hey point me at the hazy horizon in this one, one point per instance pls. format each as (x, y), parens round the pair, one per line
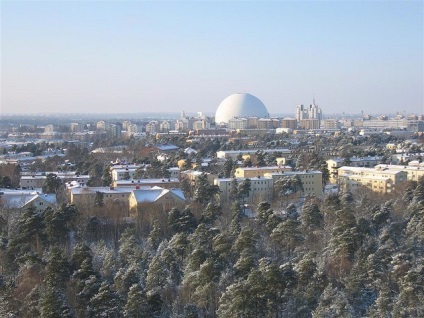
(135, 56)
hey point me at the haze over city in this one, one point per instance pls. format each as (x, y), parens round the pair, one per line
(137, 56)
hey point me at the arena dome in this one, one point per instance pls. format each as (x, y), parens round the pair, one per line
(240, 105)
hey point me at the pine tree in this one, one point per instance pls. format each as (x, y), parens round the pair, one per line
(333, 304)
(106, 177)
(53, 304)
(104, 303)
(57, 271)
(129, 248)
(52, 183)
(228, 168)
(136, 306)
(235, 301)
(287, 236)
(155, 236)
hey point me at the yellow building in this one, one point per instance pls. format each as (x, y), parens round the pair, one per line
(84, 197)
(164, 199)
(334, 164)
(151, 205)
(251, 172)
(377, 180)
(193, 176)
(260, 189)
(311, 180)
(413, 172)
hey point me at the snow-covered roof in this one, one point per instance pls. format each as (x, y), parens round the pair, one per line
(106, 190)
(190, 150)
(167, 147)
(20, 198)
(144, 195)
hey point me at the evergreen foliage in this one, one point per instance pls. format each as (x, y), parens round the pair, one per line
(346, 255)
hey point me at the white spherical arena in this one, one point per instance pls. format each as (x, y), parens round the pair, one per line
(240, 105)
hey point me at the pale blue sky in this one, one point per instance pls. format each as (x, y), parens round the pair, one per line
(137, 56)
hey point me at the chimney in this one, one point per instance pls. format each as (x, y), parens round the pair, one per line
(111, 188)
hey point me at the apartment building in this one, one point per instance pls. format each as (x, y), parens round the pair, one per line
(166, 183)
(21, 199)
(377, 180)
(251, 172)
(334, 164)
(143, 199)
(234, 153)
(414, 172)
(36, 181)
(260, 189)
(86, 196)
(120, 172)
(311, 180)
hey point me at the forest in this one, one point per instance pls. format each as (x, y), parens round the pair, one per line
(346, 255)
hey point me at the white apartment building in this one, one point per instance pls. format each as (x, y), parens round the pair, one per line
(121, 172)
(225, 154)
(36, 181)
(19, 199)
(153, 127)
(237, 123)
(165, 126)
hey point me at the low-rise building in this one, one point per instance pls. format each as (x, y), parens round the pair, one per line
(166, 183)
(21, 199)
(414, 172)
(144, 198)
(311, 180)
(193, 175)
(260, 189)
(84, 197)
(377, 180)
(334, 164)
(234, 153)
(123, 172)
(251, 172)
(36, 181)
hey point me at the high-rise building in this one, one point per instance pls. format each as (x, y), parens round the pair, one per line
(301, 113)
(165, 126)
(49, 129)
(101, 125)
(314, 111)
(76, 127)
(152, 127)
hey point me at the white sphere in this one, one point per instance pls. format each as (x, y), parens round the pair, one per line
(240, 105)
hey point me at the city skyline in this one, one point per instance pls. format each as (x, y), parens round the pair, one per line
(132, 57)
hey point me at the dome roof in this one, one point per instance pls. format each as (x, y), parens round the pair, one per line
(240, 105)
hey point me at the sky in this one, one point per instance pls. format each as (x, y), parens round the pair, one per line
(151, 56)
